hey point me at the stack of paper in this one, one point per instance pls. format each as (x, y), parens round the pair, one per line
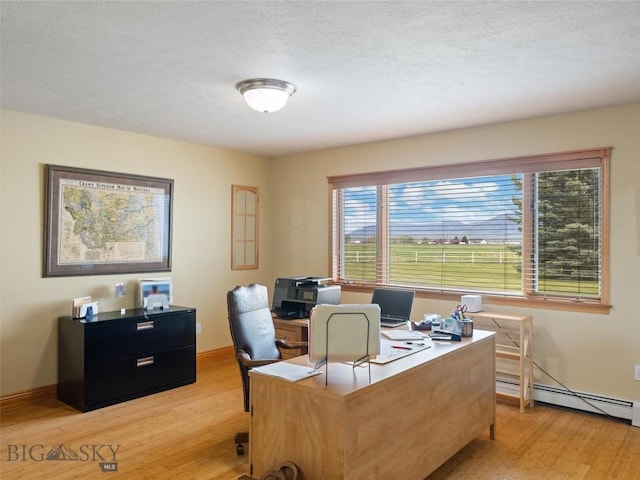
(403, 334)
(79, 307)
(287, 371)
(392, 350)
(344, 332)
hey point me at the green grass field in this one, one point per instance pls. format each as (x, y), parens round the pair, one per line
(483, 267)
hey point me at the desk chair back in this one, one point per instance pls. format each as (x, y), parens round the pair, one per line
(252, 329)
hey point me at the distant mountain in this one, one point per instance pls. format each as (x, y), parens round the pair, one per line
(498, 228)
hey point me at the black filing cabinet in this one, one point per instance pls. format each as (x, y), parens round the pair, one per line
(113, 357)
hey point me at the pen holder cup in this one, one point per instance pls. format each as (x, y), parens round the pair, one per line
(451, 325)
(467, 328)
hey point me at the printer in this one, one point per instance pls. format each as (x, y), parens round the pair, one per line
(294, 297)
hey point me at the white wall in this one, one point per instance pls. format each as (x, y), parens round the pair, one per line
(592, 353)
(201, 273)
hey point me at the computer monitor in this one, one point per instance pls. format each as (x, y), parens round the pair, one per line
(395, 305)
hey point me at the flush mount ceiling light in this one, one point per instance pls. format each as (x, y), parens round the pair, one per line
(266, 94)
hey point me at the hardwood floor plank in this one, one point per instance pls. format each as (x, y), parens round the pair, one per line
(187, 434)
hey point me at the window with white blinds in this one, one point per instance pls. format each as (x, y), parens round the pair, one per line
(529, 228)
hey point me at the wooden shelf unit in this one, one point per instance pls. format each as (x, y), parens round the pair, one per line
(514, 351)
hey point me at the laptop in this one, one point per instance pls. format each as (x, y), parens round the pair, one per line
(395, 305)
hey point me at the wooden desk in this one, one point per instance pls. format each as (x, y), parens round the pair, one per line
(417, 412)
(296, 330)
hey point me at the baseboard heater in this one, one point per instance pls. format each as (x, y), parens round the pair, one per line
(616, 407)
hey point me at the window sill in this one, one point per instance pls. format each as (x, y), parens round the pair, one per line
(519, 302)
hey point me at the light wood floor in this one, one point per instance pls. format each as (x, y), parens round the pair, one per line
(187, 433)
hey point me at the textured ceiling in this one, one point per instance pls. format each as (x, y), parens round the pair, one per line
(365, 71)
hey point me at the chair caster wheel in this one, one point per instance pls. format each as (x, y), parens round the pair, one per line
(240, 449)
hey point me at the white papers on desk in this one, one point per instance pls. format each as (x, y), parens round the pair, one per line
(388, 353)
(403, 334)
(287, 371)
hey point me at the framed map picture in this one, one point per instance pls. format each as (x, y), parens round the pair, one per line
(100, 223)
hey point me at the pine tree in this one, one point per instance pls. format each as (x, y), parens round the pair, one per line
(568, 224)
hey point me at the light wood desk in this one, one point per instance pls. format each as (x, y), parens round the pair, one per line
(417, 412)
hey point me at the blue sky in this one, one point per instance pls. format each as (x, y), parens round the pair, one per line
(464, 200)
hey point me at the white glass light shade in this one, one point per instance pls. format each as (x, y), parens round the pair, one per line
(266, 99)
(266, 94)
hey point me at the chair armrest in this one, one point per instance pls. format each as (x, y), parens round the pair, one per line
(246, 360)
(288, 344)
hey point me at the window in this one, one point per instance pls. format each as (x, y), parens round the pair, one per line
(520, 230)
(244, 227)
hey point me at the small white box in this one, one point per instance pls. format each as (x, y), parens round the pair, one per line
(473, 302)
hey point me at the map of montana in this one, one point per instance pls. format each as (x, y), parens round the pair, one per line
(111, 223)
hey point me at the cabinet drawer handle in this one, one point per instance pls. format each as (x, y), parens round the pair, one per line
(144, 325)
(142, 362)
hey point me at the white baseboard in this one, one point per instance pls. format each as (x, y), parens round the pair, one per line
(588, 402)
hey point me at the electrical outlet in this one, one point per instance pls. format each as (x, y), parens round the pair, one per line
(638, 372)
(199, 331)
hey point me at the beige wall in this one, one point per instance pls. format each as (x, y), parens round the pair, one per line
(592, 353)
(30, 304)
